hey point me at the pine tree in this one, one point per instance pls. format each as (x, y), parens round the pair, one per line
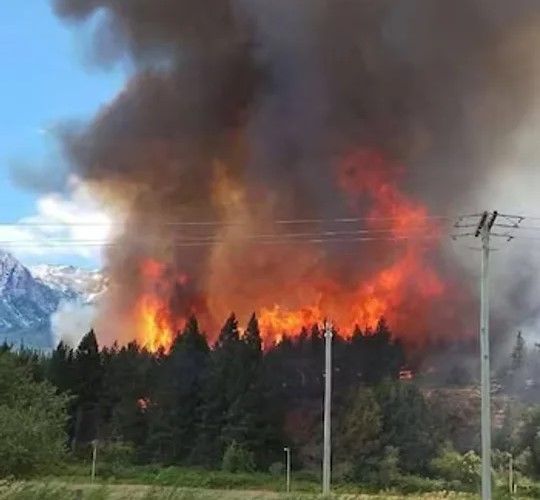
(60, 368)
(87, 385)
(125, 393)
(407, 425)
(252, 339)
(381, 358)
(220, 389)
(88, 369)
(178, 398)
(247, 422)
(359, 433)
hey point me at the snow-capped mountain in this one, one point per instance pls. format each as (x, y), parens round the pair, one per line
(72, 283)
(36, 300)
(26, 305)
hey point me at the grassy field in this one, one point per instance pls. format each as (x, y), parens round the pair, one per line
(176, 483)
(193, 478)
(72, 481)
(57, 491)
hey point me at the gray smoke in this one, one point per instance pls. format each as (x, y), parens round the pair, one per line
(240, 111)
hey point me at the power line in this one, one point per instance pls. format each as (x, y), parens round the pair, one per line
(213, 237)
(344, 220)
(105, 244)
(529, 228)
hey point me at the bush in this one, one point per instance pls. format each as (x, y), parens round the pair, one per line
(388, 469)
(524, 462)
(307, 476)
(418, 484)
(117, 453)
(500, 460)
(344, 472)
(32, 420)
(170, 476)
(238, 459)
(277, 469)
(452, 466)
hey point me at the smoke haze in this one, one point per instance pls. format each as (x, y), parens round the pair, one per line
(70, 321)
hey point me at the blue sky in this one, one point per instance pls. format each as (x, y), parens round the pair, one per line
(43, 81)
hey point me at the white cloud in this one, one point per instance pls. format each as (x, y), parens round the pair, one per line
(64, 225)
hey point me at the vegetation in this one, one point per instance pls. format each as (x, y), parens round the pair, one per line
(32, 421)
(111, 492)
(219, 417)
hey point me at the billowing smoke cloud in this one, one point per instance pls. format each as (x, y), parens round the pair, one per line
(239, 111)
(71, 322)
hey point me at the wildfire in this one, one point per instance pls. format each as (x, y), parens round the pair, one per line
(156, 323)
(396, 292)
(399, 289)
(276, 320)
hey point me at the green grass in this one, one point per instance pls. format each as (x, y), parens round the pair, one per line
(180, 477)
(58, 491)
(117, 481)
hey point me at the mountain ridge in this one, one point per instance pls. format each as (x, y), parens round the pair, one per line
(30, 296)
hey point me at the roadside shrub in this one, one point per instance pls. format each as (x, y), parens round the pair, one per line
(524, 462)
(343, 472)
(418, 484)
(307, 475)
(388, 468)
(452, 466)
(277, 469)
(238, 459)
(116, 452)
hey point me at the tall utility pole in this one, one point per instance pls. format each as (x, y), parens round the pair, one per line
(327, 446)
(484, 231)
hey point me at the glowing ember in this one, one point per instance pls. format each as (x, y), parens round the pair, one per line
(143, 404)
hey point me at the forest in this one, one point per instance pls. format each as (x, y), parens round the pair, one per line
(234, 406)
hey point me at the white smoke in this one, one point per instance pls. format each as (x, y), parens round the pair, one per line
(71, 321)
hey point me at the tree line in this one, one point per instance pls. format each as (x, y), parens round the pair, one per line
(189, 405)
(235, 405)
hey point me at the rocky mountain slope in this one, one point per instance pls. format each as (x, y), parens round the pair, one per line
(28, 298)
(72, 283)
(26, 305)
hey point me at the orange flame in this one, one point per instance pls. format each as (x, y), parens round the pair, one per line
(157, 327)
(400, 290)
(396, 292)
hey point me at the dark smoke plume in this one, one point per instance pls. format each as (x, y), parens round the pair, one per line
(239, 111)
